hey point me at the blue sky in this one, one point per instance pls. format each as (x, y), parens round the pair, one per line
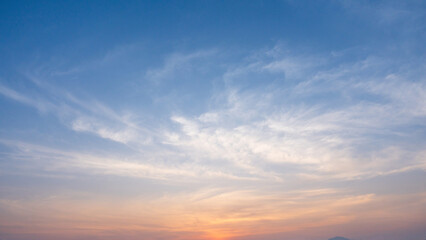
(207, 119)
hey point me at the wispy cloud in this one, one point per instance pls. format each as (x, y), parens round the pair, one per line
(39, 104)
(325, 120)
(367, 102)
(86, 115)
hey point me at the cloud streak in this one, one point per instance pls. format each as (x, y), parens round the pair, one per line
(286, 122)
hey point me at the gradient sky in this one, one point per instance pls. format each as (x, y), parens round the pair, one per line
(218, 120)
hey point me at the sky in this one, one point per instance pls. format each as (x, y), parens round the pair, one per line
(217, 120)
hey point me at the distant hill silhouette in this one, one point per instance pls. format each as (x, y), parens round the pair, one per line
(338, 238)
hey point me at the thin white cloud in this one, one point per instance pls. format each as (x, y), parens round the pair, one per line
(333, 122)
(154, 164)
(82, 115)
(87, 125)
(39, 104)
(255, 126)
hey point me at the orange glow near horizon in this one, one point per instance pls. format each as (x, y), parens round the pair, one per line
(243, 214)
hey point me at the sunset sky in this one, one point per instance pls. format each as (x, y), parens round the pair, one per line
(212, 120)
